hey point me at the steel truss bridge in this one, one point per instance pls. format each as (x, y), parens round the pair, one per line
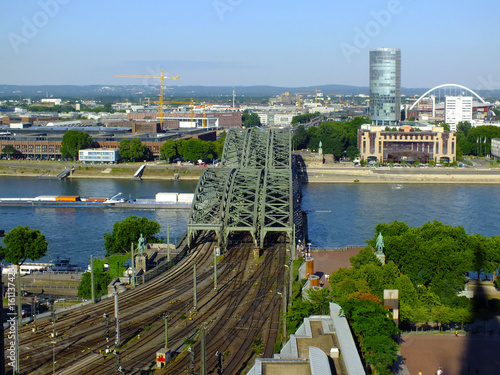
(252, 191)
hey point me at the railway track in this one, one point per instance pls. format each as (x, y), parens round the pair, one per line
(246, 306)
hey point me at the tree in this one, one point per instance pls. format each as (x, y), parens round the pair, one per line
(219, 145)
(304, 118)
(101, 282)
(128, 231)
(250, 120)
(22, 243)
(194, 149)
(352, 152)
(9, 150)
(300, 138)
(73, 141)
(133, 150)
(168, 150)
(464, 127)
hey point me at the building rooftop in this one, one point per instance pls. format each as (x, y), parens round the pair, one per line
(314, 349)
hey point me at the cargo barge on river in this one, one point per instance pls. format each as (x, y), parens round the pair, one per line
(161, 201)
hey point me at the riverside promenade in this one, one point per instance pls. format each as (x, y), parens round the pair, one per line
(481, 172)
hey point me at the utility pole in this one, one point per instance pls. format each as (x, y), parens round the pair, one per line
(195, 308)
(54, 333)
(220, 357)
(33, 312)
(19, 303)
(92, 287)
(106, 317)
(215, 268)
(166, 316)
(203, 357)
(284, 313)
(117, 341)
(168, 242)
(133, 264)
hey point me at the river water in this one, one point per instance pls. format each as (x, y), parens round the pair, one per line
(355, 210)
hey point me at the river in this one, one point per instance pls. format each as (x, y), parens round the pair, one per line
(355, 210)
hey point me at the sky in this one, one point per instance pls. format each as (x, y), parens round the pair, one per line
(285, 43)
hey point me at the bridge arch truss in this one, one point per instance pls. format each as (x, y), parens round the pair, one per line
(251, 192)
(443, 86)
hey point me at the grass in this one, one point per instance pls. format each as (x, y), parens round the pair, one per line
(115, 262)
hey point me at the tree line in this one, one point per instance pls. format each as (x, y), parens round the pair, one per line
(475, 141)
(132, 149)
(337, 138)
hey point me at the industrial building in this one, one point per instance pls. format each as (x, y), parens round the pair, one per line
(174, 120)
(99, 155)
(42, 142)
(375, 143)
(385, 86)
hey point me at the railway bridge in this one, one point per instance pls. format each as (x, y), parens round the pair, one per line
(256, 189)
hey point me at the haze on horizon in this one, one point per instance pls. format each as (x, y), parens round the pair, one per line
(247, 42)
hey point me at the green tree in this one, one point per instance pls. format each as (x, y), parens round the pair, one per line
(9, 150)
(484, 253)
(133, 150)
(316, 304)
(73, 141)
(352, 152)
(464, 127)
(300, 138)
(128, 231)
(442, 315)
(168, 150)
(250, 120)
(304, 118)
(374, 331)
(219, 145)
(194, 149)
(22, 243)
(101, 281)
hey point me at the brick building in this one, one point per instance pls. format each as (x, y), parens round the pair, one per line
(223, 120)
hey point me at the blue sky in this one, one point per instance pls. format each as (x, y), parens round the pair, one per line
(247, 42)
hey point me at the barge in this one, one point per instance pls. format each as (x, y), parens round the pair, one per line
(162, 201)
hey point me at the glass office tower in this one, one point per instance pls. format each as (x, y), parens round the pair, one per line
(385, 86)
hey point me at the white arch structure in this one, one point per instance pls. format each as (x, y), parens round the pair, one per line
(447, 85)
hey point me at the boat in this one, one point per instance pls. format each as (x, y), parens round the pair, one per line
(115, 199)
(62, 264)
(397, 187)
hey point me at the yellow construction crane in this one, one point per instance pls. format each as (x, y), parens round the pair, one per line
(161, 77)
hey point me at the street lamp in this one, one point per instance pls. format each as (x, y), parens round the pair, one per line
(308, 249)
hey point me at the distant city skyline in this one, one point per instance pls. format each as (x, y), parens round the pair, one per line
(247, 42)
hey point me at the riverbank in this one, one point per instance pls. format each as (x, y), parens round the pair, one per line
(50, 169)
(327, 173)
(339, 173)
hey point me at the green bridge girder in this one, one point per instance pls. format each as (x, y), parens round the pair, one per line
(234, 148)
(251, 192)
(209, 201)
